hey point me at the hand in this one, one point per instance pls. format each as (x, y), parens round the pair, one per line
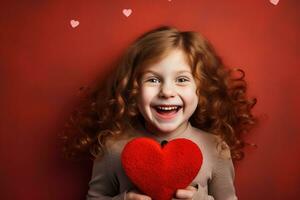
(186, 194)
(135, 195)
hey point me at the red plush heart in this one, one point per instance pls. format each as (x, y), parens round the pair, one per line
(159, 171)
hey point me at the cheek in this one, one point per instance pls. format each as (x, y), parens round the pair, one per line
(190, 96)
(146, 95)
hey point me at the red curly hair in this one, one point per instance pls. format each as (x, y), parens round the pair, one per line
(108, 109)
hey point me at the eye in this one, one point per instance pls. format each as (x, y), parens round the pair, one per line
(153, 80)
(182, 79)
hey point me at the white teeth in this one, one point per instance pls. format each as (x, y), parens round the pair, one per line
(167, 108)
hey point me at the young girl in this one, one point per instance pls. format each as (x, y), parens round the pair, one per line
(169, 84)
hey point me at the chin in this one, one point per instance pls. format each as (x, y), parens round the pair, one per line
(167, 129)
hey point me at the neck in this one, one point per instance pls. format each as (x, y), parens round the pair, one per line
(160, 136)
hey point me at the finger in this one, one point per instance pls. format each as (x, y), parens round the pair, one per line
(180, 199)
(184, 194)
(137, 196)
(191, 188)
(142, 197)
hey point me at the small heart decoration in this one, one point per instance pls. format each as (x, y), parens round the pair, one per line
(74, 23)
(159, 171)
(127, 12)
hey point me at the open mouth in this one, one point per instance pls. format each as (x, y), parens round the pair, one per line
(167, 111)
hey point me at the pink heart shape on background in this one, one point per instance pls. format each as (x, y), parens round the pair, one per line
(274, 2)
(127, 12)
(74, 23)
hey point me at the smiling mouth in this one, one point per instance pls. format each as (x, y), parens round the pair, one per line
(168, 111)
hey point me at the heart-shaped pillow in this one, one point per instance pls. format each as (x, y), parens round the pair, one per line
(159, 170)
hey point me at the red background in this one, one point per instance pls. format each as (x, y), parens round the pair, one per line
(43, 61)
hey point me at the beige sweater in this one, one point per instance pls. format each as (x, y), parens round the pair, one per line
(215, 180)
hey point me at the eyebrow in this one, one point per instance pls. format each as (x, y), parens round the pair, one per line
(183, 71)
(178, 72)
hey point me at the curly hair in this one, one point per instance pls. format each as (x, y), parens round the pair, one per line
(108, 109)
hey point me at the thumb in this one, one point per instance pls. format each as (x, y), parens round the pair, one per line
(184, 194)
(191, 188)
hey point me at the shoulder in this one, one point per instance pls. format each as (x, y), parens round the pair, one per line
(222, 149)
(115, 145)
(113, 149)
(213, 143)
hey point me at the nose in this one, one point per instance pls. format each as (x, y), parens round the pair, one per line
(167, 90)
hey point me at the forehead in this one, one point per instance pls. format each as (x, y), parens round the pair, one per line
(173, 61)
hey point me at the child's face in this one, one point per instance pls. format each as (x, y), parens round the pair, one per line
(167, 96)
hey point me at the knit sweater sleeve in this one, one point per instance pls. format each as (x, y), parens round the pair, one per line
(103, 185)
(221, 185)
